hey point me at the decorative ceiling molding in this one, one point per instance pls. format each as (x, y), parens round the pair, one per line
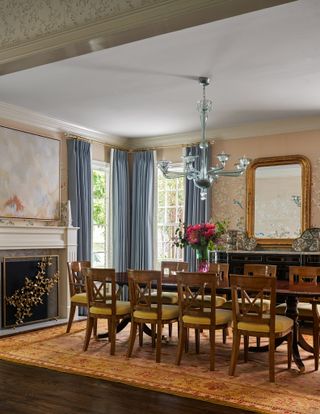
(12, 114)
(136, 20)
(32, 119)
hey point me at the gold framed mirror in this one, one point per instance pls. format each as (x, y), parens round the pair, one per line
(278, 199)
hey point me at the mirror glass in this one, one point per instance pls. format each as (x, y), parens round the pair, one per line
(278, 194)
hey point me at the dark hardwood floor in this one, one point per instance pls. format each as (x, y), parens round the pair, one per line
(31, 390)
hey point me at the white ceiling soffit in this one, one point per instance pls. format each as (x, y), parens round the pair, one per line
(264, 67)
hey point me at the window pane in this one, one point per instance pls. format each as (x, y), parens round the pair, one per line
(171, 198)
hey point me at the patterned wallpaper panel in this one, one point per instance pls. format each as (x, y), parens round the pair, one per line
(229, 194)
(25, 20)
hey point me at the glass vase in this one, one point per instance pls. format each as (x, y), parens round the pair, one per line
(202, 260)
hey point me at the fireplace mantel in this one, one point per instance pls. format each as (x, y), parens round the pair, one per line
(64, 239)
(37, 237)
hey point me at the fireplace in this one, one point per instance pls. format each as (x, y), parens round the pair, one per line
(29, 290)
(34, 241)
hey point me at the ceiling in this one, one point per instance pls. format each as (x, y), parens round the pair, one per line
(263, 66)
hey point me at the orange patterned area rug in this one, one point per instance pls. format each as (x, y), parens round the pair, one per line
(293, 393)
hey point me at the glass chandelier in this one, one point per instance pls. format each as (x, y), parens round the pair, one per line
(204, 177)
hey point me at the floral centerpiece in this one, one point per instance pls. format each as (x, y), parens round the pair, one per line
(202, 238)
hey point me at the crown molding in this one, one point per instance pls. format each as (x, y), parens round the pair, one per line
(159, 18)
(237, 132)
(22, 116)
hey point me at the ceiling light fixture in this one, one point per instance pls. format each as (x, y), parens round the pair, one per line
(204, 177)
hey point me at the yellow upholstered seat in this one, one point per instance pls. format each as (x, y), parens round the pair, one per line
(79, 298)
(122, 308)
(168, 312)
(167, 298)
(282, 323)
(265, 305)
(222, 317)
(304, 309)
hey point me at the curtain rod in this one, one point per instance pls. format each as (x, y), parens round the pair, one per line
(130, 150)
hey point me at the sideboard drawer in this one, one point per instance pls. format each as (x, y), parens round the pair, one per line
(250, 258)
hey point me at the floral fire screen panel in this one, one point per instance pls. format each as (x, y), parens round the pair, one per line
(30, 176)
(29, 290)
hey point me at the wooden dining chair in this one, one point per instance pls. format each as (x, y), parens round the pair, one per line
(194, 310)
(301, 277)
(77, 287)
(250, 319)
(144, 308)
(169, 271)
(102, 294)
(257, 269)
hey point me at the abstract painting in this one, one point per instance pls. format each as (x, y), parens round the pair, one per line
(29, 176)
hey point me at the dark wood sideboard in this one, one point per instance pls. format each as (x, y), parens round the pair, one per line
(283, 259)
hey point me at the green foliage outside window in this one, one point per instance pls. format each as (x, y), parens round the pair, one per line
(99, 193)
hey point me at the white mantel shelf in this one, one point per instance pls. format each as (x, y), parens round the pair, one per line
(37, 237)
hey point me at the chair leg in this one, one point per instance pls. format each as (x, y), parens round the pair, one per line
(258, 341)
(316, 333)
(235, 352)
(159, 338)
(271, 359)
(182, 338)
(289, 342)
(246, 346)
(132, 337)
(112, 336)
(197, 340)
(170, 330)
(140, 334)
(89, 327)
(153, 335)
(95, 328)
(186, 341)
(212, 333)
(225, 333)
(71, 316)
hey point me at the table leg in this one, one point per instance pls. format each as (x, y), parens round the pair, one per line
(292, 312)
(121, 325)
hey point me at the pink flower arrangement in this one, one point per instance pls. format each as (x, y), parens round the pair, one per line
(199, 236)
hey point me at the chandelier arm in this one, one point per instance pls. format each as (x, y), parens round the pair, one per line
(235, 173)
(174, 174)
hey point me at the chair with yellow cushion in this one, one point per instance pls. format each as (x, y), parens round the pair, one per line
(299, 276)
(145, 309)
(194, 310)
(103, 304)
(254, 269)
(250, 319)
(77, 287)
(169, 271)
(304, 276)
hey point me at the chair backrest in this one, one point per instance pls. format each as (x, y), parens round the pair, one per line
(99, 282)
(222, 270)
(253, 269)
(169, 270)
(141, 284)
(304, 275)
(77, 283)
(192, 288)
(251, 308)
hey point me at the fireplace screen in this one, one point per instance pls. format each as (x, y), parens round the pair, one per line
(29, 290)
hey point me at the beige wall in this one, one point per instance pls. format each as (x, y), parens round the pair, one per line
(229, 194)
